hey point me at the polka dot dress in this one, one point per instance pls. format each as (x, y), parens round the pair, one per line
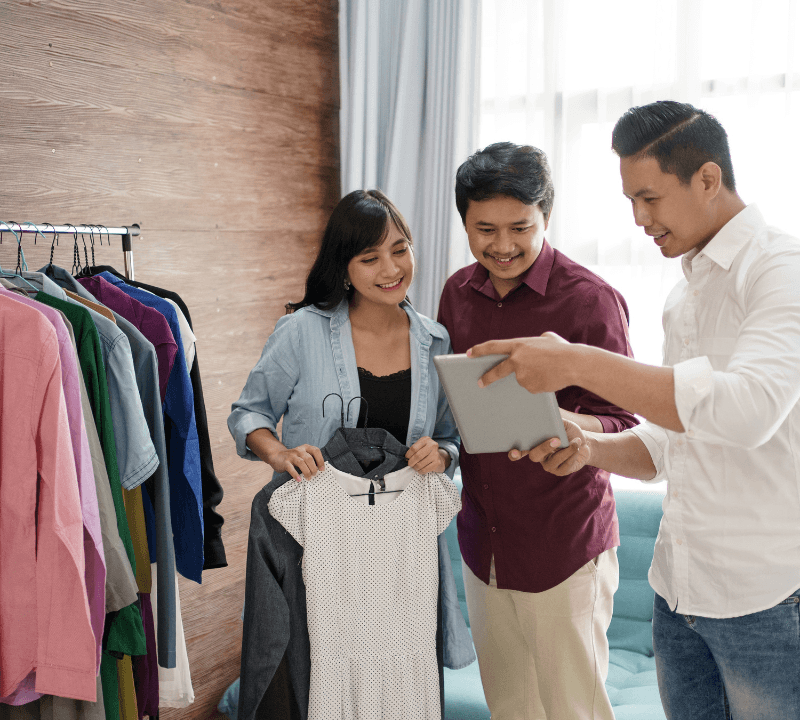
(372, 578)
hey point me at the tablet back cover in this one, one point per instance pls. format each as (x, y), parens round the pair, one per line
(499, 417)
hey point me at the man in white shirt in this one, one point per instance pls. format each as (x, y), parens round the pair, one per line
(723, 422)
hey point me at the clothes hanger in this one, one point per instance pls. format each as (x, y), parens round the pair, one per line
(363, 445)
(21, 263)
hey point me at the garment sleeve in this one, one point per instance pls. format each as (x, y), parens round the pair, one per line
(743, 403)
(607, 328)
(287, 506)
(269, 386)
(66, 643)
(136, 455)
(656, 440)
(266, 613)
(444, 498)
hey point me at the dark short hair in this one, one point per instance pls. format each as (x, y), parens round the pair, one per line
(360, 221)
(679, 136)
(520, 171)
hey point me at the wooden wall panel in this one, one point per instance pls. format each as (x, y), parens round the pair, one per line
(215, 127)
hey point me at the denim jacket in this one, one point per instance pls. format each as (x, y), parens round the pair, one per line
(311, 354)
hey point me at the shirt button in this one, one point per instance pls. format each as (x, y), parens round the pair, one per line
(679, 541)
(675, 493)
(696, 293)
(494, 529)
(499, 304)
(686, 341)
(485, 486)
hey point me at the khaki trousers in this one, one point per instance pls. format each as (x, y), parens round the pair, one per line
(544, 656)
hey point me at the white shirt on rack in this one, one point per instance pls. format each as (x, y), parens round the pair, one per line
(729, 542)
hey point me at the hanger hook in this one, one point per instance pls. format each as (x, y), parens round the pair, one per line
(91, 241)
(10, 229)
(341, 399)
(366, 409)
(36, 230)
(54, 243)
(76, 256)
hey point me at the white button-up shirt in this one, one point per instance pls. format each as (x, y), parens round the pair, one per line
(729, 542)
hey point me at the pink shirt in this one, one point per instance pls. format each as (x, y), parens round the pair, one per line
(44, 609)
(95, 573)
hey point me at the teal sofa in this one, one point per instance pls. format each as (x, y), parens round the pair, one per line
(631, 684)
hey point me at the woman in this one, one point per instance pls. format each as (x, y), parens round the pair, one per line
(354, 333)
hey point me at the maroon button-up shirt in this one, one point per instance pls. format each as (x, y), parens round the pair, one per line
(540, 528)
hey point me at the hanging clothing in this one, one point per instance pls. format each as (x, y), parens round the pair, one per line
(381, 560)
(94, 558)
(184, 452)
(213, 547)
(45, 610)
(143, 325)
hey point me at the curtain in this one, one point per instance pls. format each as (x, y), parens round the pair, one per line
(408, 117)
(558, 74)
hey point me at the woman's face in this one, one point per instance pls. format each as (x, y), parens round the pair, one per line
(383, 274)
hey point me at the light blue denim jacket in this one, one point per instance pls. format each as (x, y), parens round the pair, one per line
(310, 354)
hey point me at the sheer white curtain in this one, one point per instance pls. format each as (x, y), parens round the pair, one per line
(408, 115)
(558, 73)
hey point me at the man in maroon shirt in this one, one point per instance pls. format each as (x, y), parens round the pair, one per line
(539, 551)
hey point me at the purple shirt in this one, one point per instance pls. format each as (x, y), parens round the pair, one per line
(151, 323)
(540, 528)
(95, 565)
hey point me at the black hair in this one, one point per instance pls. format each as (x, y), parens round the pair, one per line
(520, 171)
(360, 221)
(679, 136)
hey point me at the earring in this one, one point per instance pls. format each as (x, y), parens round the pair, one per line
(346, 284)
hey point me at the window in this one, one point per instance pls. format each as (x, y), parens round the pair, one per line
(558, 73)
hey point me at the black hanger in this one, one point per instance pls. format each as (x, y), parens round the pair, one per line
(349, 447)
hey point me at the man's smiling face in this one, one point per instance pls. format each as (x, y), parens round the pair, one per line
(675, 215)
(505, 236)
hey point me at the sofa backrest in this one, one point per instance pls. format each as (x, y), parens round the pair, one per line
(639, 514)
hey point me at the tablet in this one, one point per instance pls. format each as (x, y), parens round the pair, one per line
(499, 417)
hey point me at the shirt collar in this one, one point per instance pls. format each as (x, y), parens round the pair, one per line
(422, 327)
(535, 277)
(726, 244)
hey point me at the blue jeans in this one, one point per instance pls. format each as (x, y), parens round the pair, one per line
(745, 668)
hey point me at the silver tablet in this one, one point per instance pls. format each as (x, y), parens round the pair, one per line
(499, 417)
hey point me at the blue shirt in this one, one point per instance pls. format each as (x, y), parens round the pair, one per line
(186, 494)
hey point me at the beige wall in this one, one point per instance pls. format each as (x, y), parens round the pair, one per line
(214, 125)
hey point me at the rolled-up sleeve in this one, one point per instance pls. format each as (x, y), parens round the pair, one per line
(269, 386)
(656, 440)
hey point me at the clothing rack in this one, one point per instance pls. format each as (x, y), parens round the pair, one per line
(125, 232)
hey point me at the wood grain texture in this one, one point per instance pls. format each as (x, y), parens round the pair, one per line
(215, 126)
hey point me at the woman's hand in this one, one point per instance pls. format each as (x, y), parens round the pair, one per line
(305, 459)
(425, 456)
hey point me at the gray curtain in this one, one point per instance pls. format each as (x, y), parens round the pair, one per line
(409, 112)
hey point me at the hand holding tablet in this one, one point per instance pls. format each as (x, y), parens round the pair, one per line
(501, 416)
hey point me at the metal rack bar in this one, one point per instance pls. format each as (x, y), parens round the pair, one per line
(125, 232)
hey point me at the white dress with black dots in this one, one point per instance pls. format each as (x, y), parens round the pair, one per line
(372, 579)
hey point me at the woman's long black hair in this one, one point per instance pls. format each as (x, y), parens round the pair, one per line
(360, 221)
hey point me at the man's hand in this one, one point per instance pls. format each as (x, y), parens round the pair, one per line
(560, 462)
(541, 364)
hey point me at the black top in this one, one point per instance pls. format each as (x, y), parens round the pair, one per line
(388, 403)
